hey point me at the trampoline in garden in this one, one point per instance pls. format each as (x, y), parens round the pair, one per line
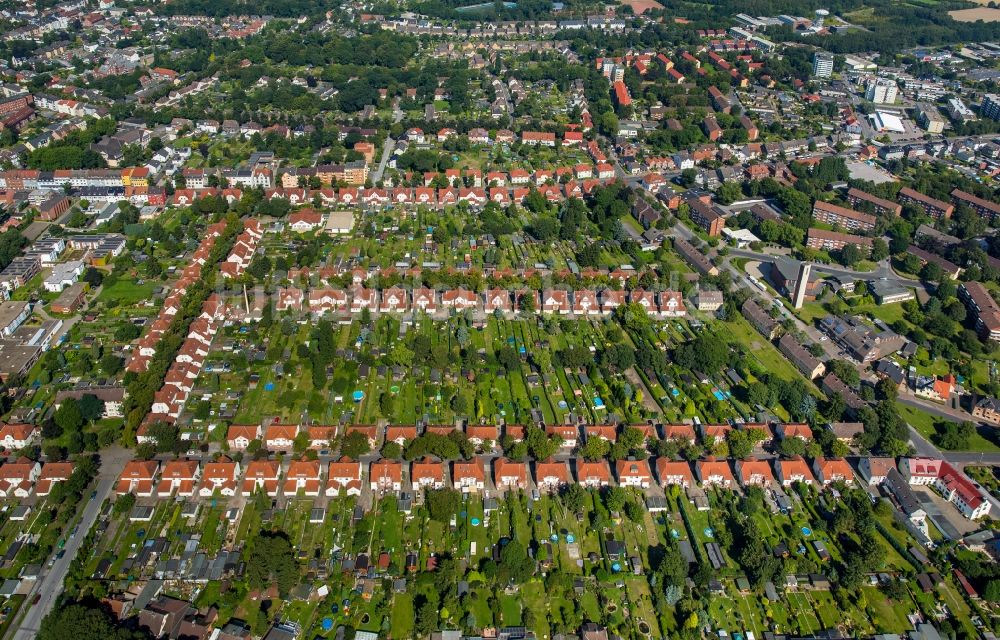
(554, 537)
(709, 533)
(358, 395)
(474, 522)
(616, 567)
(570, 538)
(562, 404)
(394, 389)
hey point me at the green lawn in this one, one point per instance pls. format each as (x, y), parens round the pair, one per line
(924, 423)
(125, 292)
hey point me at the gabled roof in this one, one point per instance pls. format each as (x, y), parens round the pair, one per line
(386, 469)
(552, 469)
(427, 468)
(793, 468)
(463, 469)
(597, 469)
(666, 468)
(632, 469)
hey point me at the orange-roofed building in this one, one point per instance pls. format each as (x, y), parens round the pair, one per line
(280, 437)
(832, 469)
(647, 430)
(16, 436)
(482, 433)
(674, 472)
(713, 434)
(594, 474)
(320, 435)
(223, 476)
(551, 474)
(386, 475)
(400, 433)
(679, 432)
(634, 473)
(344, 477)
(468, 476)
(137, 478)
(262, 475)
(794, 470)
(370, 431)
(439, 429)
(52, 474)
(603, 431)
(510, 474)
(303, 477)
(239, 436)
(17, 478)
(179, 477)
(715, 473)
(514, 431)
(754, 473)
(798, 430)
(427, 474)
(568, 432)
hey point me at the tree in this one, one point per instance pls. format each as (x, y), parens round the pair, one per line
(91, 407)
(515, 566)
(111, 364)
(355, 445)
(618, 357)
(706, 353)
(442, 504)
(741, 442)
(68, 415)
(880, 250)
(730, 191)
(850, 255)
(84, 622)
(573, 496)
(271, 560)
(124, 504)
(953, 435)
(614, 498)
(427, 618)
(595, 449)
(392, 450)
(992, 591)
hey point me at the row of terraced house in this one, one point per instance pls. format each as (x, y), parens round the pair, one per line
(424, 299)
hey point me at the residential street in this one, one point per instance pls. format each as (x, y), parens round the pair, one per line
(50, 585)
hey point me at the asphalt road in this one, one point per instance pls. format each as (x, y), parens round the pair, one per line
(390, 144)
(50, 585)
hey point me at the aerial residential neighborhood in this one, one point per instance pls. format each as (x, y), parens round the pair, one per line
(554, 320)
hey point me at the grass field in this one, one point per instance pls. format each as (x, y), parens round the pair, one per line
(125, 292)
(924, 423)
